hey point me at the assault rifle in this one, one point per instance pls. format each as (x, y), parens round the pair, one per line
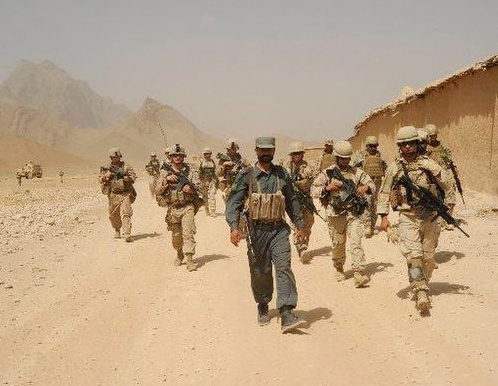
(117, 172)
(418, 196)
(223, 158)
(184, 180)
(457, 179)
(304, 198)
(349, 200)
(245, 214)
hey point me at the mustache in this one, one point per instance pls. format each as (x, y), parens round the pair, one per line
(265, 158)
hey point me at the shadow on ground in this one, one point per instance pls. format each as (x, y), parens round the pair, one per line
(311, 317)
(445, 256)
(203, 260)
(439, 288)
(141, 236)
(373, 268)
(324, 251)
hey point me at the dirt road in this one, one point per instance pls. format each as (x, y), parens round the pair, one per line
(79, 308)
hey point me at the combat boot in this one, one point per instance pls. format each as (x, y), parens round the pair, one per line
(360, 280)
(191, 266)
(340, 275)
(128, 238)
(263, 317)
(423, 304)
(117, 233)
(179, 258)
(289, 320)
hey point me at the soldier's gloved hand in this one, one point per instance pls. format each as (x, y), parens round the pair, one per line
(362, 190)
(300, 236)
(172, 178)
(235, 237)
(187, 189)
(385, 224)
(333, 185)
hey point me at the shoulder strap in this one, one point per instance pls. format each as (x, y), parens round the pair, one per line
(250, 189)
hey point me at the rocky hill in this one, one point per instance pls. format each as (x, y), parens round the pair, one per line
(46, 87)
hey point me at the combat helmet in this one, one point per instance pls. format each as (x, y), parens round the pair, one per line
(231, 143)
(371, 140)
(296, 147)
(207, 150)
(431, 129)
(114, 152)
(422, 135)
(343, 149)
(153, 155)
(177, 150)
(407, 134)
(329, 142)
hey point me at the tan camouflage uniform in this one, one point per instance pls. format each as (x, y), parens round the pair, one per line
(375, 166)
(303, 175)
(209, 184)
(121, 195)
(417, 236)
(324, 161)
(227, 174)
(180, 215)
(342, 223)
(153, 169)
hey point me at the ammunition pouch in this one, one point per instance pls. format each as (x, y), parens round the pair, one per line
(268, 207)
(117, 185)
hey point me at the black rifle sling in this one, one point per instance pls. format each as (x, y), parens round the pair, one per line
(408, 186)
(433, 180)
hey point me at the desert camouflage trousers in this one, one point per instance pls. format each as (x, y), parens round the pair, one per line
(152, 184)
(181, 223)
(418, 241)
(209, 192)
(340, 228)
(370, 215)
(308, 221)
(120, 211)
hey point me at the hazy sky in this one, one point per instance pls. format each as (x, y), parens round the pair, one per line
(308, 69)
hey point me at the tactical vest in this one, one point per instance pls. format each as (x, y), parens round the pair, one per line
(373, 165)
(207, 170)
(326, 160)
(153, 168)
(399, 195)
(267, 207)
(437, 154)
(172, 196)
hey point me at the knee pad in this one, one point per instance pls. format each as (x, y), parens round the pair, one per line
(415, 270)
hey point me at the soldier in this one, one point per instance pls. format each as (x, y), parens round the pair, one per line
(417, 230)
(441, 154)
(19, 174)
(153, 168)
(209, 181)
(371, 161)
(344, 219)
(116, 182)
(229, 165)
(269, 193)
(61, 175)
(167, 153)
(182, 203)
(422, 141)
(302, 176)
(326, 158)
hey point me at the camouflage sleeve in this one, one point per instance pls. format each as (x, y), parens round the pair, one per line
(161, 186)
(385, 190)
(220, 170)
(318, 186)
(195, 177)
(130, 173)
(364, 179)
(236, 198)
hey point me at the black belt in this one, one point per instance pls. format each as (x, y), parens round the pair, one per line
(268, 224)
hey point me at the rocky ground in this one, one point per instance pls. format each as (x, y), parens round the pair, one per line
(79, 308)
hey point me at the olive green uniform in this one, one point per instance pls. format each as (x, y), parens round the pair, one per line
(417, 232)
(342, 223)
(121, 194)
(269, 231)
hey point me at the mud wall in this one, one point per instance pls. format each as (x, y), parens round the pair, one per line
(465, 111)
